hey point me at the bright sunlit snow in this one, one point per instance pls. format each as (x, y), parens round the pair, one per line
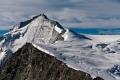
(98, 55)
(94, 56)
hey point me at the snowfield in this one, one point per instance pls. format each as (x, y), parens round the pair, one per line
(103, 38)
(98, 55)
(89, 55)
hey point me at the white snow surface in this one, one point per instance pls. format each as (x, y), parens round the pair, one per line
(98, 58)
(41, 30)
(58, 29)
(98, 55)
(103, 38)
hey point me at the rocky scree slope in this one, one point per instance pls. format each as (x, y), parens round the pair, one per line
(29, 63)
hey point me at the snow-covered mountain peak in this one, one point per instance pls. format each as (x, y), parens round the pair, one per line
(43, 16)
(23, 24)
(94, 54)
(44, 30)
(39, 29)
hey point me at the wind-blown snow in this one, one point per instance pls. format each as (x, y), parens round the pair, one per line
(98, 55)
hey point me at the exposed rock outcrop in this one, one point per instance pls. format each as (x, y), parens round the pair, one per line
(29, 63)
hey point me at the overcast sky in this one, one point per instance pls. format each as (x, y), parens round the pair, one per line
(69, 13)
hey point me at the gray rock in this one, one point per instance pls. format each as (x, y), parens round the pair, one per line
(28, 63)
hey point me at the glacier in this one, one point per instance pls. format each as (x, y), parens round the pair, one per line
(98, 55)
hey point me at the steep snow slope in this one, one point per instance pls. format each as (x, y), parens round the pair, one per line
(40, 29)
(97, 55)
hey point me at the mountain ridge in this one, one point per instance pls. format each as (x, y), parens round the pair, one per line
(22, 24)
(39, 29)
(29, 63)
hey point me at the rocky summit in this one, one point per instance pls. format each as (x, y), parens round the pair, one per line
(29, 63)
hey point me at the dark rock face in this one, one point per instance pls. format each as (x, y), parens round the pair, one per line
(29, 63)
(97, 78)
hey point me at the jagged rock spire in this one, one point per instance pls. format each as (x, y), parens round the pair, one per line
(43, 15)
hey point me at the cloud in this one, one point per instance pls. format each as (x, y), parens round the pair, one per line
(70, 13)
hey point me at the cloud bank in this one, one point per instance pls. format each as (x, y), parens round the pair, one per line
(70, 13)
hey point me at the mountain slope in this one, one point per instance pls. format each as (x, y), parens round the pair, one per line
(28, 63)
(39, 30)
(93, 54)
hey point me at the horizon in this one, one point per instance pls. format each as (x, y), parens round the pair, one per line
(91, 31)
